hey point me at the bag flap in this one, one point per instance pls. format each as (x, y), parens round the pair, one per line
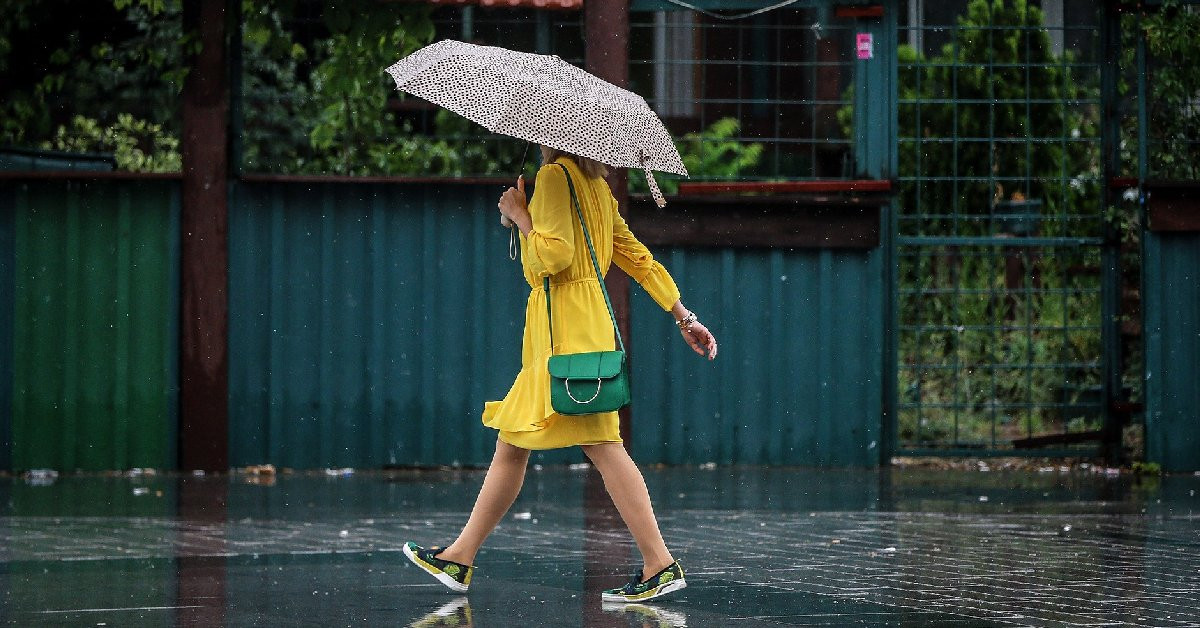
(602, 364)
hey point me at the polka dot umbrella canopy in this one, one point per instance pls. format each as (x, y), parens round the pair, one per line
(542, 99)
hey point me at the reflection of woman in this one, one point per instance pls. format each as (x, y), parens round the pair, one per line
(553, 245)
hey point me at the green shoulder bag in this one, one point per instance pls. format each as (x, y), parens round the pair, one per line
(596, 381)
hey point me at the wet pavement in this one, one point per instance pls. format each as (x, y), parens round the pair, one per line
(761, 547)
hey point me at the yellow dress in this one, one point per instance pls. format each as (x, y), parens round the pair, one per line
(555, 247)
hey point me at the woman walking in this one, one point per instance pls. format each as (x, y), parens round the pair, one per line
(553, 245)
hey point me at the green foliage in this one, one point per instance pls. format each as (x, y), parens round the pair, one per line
(315, 109)
(457, 147)
(25, 109)
(142, 74)
(323, 109)
(994, 117)
(1173, 83)
(137, 145)
(1004, 84)
(1147, 468)
(274, 135)
(152, 6)
(101, 61)
(712, 154)
(349, 84)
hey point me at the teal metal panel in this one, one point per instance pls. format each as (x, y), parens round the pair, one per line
(369, 323)
(1171, 293)
(875, 112)
(7, 262)
(799, 376)
(92, 315)
(32, 159)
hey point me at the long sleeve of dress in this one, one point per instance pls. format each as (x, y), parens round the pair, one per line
(551, 241)
(635, 259)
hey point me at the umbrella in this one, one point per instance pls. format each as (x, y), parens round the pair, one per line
(542, 99)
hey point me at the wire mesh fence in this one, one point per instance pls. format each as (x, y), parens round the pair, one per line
(1001, 226)
(760, 98)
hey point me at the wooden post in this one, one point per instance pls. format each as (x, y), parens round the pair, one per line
(606, 38)
(204, 364)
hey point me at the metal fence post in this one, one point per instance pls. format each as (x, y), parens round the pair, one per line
(204, 363)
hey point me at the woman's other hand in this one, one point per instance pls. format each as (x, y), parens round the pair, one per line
(700, 339)
(515, 207)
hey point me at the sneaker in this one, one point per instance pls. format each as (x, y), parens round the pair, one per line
(668, 580)
(451, 574)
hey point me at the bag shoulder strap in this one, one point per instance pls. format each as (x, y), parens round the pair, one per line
(595, 264)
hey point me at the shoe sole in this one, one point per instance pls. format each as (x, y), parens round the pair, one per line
(450, 583)
(673, 585)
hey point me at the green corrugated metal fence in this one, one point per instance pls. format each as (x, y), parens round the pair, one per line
(369, 323)
(1171, 293)
(93, 324)
(7, 261)
(799, 380)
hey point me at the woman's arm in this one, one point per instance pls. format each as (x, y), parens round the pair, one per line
(635, 259)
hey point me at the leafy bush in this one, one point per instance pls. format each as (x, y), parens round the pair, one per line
(60, 59)
(1173, 100)
(348, 122)
(137, 145)
(711, 154)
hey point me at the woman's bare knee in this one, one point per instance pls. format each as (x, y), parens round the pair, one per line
(601, 453)
(511, 453)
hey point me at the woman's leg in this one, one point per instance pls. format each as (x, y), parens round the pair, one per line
(500, 488)
(627, 488)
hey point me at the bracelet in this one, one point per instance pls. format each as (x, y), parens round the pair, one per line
(685, 323)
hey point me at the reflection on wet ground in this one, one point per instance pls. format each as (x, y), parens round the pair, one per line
(761, 547)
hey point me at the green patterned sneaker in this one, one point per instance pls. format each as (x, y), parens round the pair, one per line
(451, 574)
(662, 583)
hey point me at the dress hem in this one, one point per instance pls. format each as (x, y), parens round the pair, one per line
(502, 433)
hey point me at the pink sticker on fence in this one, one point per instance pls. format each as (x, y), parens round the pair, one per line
(866, 46)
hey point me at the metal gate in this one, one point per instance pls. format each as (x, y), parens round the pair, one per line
(1003, 268)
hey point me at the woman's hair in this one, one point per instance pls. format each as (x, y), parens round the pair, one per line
(590, 167)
